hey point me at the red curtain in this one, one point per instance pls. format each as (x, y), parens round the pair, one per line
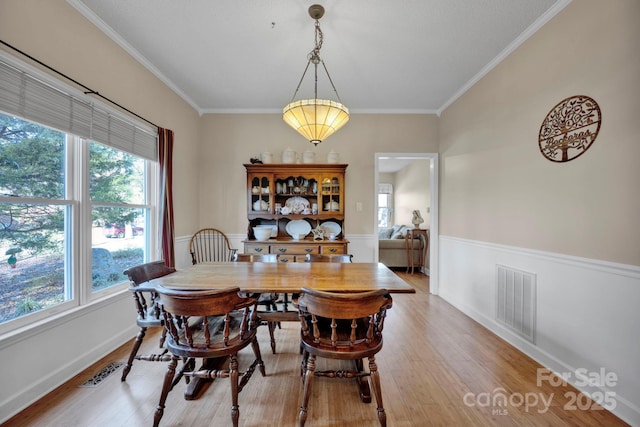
(165, 158)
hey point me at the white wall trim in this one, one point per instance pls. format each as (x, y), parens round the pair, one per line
(54, 378)
(530, 31)
(587, 314)
(363, 247)
(632, 271)
(34, 329)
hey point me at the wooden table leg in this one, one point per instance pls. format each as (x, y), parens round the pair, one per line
(198, 385)
(363, 383)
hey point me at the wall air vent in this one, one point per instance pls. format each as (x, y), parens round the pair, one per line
(516, 301)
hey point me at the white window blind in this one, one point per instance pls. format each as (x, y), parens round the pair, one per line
(385, 188)
(25, 94)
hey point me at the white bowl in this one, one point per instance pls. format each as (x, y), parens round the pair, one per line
(262, 233)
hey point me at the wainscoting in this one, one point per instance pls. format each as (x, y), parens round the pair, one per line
(586, 320)
(363, 247)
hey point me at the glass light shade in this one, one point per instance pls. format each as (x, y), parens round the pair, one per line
(315, 119)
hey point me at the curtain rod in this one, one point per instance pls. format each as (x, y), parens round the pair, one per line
(88, 90)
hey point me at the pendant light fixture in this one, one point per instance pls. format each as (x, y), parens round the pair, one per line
(316, 119)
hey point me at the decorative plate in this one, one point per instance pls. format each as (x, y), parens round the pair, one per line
(297, 204)
(297, 227)
(331, 227)
(570, 128)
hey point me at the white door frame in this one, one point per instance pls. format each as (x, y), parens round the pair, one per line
(433, 224)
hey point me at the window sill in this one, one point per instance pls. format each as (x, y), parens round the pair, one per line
(12, 337)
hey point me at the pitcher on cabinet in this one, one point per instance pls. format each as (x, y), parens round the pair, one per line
(308, 157)
(288, 156)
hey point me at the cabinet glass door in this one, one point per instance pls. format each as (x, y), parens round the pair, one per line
(260, 200)
(331, 187)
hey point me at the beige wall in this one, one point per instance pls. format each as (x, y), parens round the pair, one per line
(231, 140)
(55, 33)
(495, 184)
(412, 191)
(209, 183)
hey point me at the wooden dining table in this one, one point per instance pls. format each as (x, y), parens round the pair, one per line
(285, 278)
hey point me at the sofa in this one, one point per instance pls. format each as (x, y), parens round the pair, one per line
(392, 251)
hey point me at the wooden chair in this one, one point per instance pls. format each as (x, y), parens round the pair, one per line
(328, 258)
(255, 257)
(146, 304)
(219, 332)
(344, 326)
(344, 258)
(210, 245)
(268, 300)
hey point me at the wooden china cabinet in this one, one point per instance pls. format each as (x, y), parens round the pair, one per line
(293, 201)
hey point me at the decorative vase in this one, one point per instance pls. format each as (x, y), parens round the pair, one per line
(333, 157)
(417, 219)
(308, 157)
(288, 156)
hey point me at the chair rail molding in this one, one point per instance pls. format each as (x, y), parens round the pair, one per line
(585, 308)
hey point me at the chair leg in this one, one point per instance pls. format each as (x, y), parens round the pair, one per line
(303, 364)
(377, 390)
(163, 337)
(258, 355)
(274, 307)
(272, 327)
(306, 392)
(166, 388)
(134, 351)
(233, 377)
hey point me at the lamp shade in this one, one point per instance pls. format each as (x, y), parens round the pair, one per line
(315, 119)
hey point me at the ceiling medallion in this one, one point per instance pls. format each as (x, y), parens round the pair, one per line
(570, 128)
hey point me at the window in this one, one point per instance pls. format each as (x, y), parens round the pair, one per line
(118, 215)
(76, 204)
(385, 205)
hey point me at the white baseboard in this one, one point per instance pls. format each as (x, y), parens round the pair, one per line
(586, 313)
(61, 374)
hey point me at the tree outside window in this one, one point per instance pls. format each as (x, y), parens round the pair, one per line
(42, 205)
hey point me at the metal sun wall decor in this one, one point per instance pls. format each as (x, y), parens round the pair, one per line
(570, 128)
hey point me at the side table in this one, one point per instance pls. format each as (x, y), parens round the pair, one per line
(416, 234)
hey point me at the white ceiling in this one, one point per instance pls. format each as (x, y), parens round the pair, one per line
(406, 56)
(395, 164)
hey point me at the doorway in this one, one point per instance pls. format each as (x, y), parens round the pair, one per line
(386, 163)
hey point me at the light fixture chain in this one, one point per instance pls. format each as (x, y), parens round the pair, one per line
(304, 73)
(315, 53)
(331, 81)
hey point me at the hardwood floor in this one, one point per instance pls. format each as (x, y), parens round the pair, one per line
(438, 367)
